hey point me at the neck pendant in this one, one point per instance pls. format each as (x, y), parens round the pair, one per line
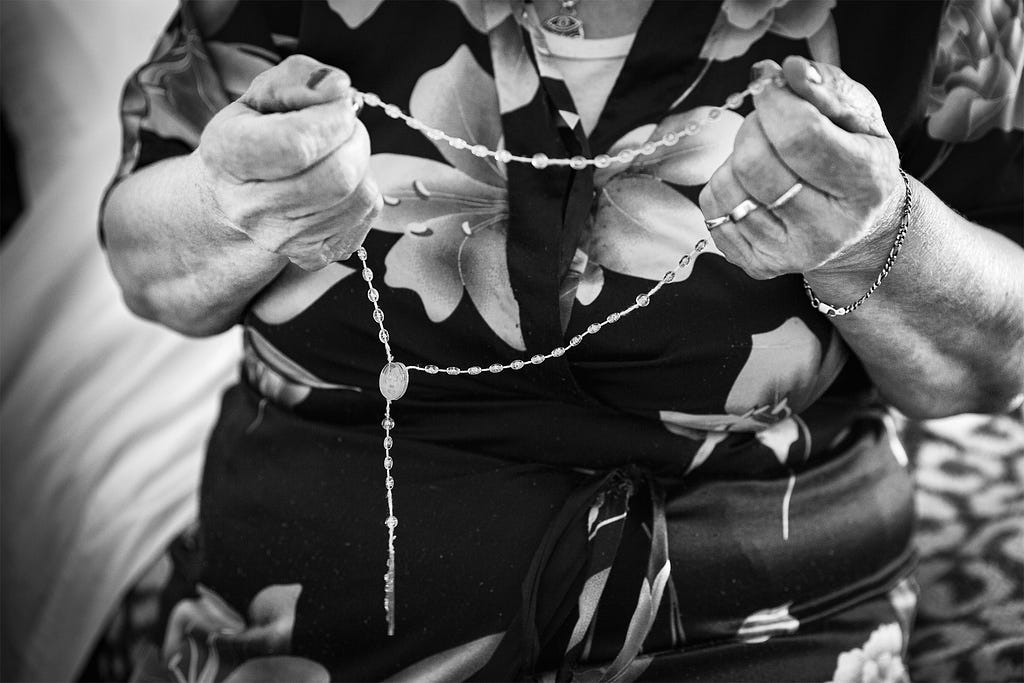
(566, 23)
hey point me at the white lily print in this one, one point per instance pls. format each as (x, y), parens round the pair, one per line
(453, 218)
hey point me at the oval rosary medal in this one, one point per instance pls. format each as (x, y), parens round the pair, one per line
(394, 380)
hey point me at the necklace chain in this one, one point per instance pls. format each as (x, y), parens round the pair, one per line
(394, 377)
(541, 161)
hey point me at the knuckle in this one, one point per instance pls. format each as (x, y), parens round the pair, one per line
(298, 62)
(340, 173)
(789, 141)
(757, 271)
(746, 163)
(709, 199)
(306, 147)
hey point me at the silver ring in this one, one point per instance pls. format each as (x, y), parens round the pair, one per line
(713, 223)
(785, 196)
(743, 209)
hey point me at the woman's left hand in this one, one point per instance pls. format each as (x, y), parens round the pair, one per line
(825, 131)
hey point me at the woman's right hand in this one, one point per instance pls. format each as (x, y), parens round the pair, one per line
(286, 164)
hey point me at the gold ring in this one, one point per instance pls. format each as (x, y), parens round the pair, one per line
(743, 209)
(785, 196)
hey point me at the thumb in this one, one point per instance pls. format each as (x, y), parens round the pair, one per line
(844, 101)
(296, 83)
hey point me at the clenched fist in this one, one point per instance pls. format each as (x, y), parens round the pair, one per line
(286, 164)
(824, 131)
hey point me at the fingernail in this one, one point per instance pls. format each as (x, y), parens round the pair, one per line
(812, 74)
(316, 77)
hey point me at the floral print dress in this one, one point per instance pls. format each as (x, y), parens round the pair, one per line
(709, 489)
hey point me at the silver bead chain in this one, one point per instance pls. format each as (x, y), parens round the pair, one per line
(541, 160)
(392, 389)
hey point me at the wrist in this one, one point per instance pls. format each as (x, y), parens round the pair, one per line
(866, 263)
(215, 218)
(205, 183)
(868, 253)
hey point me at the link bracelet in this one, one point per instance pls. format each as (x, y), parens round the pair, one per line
(901, 234)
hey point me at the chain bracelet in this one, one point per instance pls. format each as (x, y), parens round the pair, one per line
(901, 234)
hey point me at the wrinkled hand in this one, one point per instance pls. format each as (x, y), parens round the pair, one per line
(286, 164)
(827, 133)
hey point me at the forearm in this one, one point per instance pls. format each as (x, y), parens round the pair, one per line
(176, 260)
(944, 333)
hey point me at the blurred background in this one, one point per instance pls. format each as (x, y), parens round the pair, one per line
(103, 417)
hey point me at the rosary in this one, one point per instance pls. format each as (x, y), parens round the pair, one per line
(394, 377)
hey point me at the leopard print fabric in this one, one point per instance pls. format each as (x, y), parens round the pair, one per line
(970, 502)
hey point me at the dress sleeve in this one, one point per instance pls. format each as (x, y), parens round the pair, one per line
(205, 58)
(969, 149)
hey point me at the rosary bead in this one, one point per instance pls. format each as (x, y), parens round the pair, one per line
(434, 133)
(361, 254)
(539, 160)
(367, 274)
(452, 370)
(387, 423)
(475, 370)
(389, 462)
(517, 364)
(649, 148)
(391, 522)
(503, 155)
(389, 483)
(699, 247)
(575, 341)
(602, 161)
(392, 111)
(388, 442)
(415, 124)
(371, 99)
(734, 100)
(613, 318)
(625, 156)
(378, 315)
(431, 369)
(714, 113)
(643, 300)
(478, 150)
(578, 163)
(594, 328)
(372, 294)
(458, 143)
(684, 261)
(692, 128)
(669, 276)
(537, 360)
(558, 352)
(383, 336)
(496, 368)
(756, 87)
(670, 138)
